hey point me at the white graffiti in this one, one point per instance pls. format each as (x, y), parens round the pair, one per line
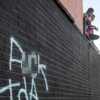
(12, 42)
(9, 87)
(26, 67)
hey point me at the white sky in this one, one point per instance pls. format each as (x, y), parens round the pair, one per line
(95, 4)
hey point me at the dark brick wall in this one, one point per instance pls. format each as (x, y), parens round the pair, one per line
(72, 66)
(94, 74)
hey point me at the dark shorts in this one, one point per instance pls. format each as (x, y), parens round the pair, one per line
(93, 37)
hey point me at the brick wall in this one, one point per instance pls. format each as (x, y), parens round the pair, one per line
(30, 29)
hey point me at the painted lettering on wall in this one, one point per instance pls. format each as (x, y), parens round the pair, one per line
(26, 67)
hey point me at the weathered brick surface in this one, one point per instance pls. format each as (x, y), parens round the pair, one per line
(39, 25)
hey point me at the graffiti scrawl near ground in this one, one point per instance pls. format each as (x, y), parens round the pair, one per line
(26, 67)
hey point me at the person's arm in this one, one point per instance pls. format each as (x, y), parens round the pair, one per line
(94, 27)
(86, 33)
(87, 18)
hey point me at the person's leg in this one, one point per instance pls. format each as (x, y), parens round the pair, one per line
(88, 37)
(94, 37)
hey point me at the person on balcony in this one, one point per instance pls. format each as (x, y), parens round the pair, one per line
(88, 27)
(89, 31)
(87, 19)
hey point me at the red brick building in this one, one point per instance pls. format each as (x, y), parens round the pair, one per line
(75, 8)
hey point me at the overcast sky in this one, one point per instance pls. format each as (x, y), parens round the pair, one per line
(96, 5)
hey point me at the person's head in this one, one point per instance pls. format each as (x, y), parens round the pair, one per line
(92, 17)
(90, 11)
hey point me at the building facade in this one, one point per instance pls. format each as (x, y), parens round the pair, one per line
(43, 56)
(75, 8)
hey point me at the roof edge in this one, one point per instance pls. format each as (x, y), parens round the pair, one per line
(68, 15)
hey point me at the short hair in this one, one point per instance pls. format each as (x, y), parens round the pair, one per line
(90, 9)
